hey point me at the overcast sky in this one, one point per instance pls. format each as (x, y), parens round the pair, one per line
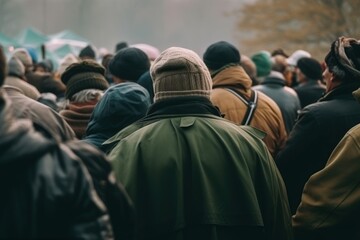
(193, 24)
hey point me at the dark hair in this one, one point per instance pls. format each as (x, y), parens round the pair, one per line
(279, 51)
(335, 67)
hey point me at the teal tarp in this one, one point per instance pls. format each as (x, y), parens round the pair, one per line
(67, 34)
(6, 41)
(62, 51)
(30, 37)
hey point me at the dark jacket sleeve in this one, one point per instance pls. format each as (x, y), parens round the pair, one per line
(294, 159)
(90, 219)
(113, 194)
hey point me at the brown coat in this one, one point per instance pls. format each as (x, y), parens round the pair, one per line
(329, 207)
(267, 116)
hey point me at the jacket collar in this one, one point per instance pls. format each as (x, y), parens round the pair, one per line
(274, 78)
(182, 106)
(231, 76)
(172, 107)
(342, 90)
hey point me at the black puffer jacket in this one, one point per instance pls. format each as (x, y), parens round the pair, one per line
(46, 191)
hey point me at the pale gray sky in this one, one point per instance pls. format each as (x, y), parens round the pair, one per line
(193, 24)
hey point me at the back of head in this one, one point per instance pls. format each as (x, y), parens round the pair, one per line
(47, 65)
(2, 66)
(23, 55)
(106, 60)
(84, 75)
(87, 53)
(16, 68)
(248, 65)
(66, 62)
(121, 105)
(129, 64)
(343, 59)
(263, 63)
(151, 51)
(220, 54)
(310, 67)
(279, 63)
(294, 58)
(121, 45)
(179, 72)
(146, 82)
(279, 51)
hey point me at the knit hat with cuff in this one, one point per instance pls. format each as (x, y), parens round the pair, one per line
(83, 75)
(180, 72)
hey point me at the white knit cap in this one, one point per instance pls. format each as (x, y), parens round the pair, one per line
(294, 58)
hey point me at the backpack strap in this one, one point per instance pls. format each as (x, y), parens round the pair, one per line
(251, 104)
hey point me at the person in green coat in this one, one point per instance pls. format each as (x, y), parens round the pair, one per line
(192, 174)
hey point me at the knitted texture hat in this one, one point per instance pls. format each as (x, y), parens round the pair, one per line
(16, 68)
(83, 75)
(220, 54)
(66, 62)
(151, 51)
(87, 53)
(23, 55)
(263, 63)
(129, 64)
(179, 72)
(294, 58)
(310, 67)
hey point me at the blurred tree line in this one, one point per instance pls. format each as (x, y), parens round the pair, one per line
(307, 24)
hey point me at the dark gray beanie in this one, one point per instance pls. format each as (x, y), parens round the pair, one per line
(220, 54)
(129, 64)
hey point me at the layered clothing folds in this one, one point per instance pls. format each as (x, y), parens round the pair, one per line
(318, 130)
(285, 97)
(267, 116)
(46, 190)
(195, 175)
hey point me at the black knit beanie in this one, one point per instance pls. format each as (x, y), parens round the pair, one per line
(220, 54)
(129, 64)
(83, 75)
(87, 53)
(310, 67)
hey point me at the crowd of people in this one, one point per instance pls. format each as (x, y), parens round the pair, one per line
(149, 144)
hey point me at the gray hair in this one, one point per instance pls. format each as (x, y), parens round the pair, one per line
(87, 95)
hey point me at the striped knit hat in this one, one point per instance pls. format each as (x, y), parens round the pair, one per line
(180, 72)
(83, 75)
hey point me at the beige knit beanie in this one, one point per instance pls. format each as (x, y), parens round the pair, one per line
(179, 72)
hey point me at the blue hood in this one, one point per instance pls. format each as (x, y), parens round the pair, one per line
(120, 106)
